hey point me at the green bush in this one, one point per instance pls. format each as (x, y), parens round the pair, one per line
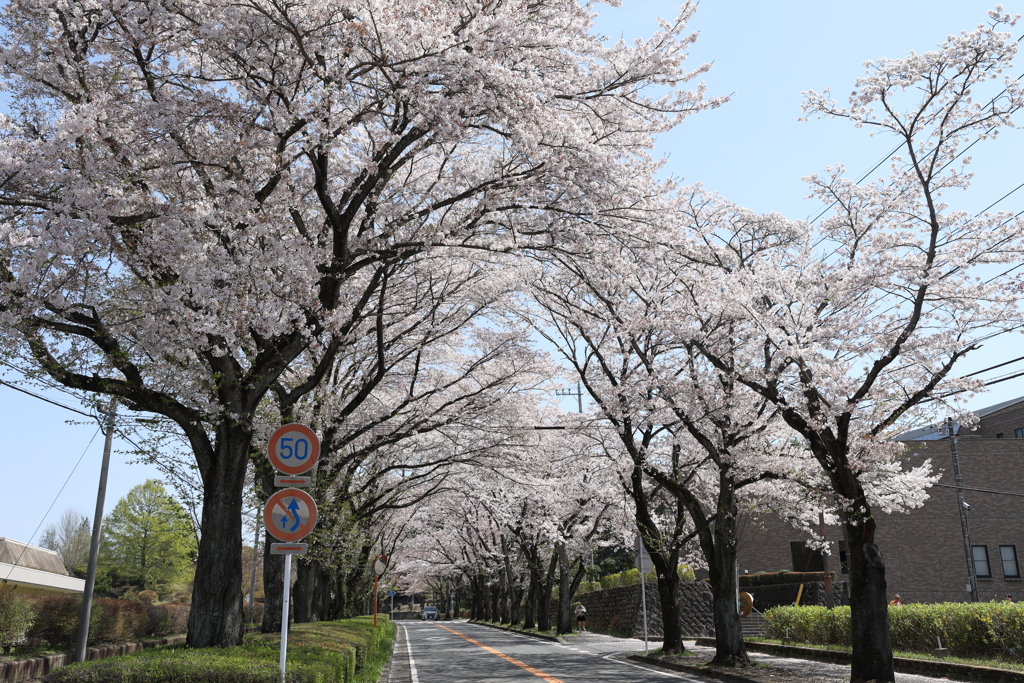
(345, 651)
(111, 621)
(631, 577)
(984, 630)
(588, 587)
(16, 617)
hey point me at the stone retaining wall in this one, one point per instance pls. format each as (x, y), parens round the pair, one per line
(617, 611)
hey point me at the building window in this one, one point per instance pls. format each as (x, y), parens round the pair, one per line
(1019, 432)
(999, 435)
(1008, 554)
(844, 565)
(981, 567)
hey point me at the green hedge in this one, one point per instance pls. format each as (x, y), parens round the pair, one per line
(986, 629)
(342, 651)
(631, 577)
(112, 621)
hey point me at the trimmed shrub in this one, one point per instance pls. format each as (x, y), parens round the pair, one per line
(56, 620)
(984, 630)
(16, 617)
(148, 597)
(588, 587)
(325, 652)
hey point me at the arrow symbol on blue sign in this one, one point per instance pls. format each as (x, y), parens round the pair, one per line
(293, 507)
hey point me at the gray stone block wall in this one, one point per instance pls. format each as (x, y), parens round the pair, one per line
(617, 610)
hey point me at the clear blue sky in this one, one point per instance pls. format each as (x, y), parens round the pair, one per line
(752, 150)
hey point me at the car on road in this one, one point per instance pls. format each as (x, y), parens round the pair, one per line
(429, 614)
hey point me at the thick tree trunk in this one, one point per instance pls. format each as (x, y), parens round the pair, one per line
(668, 581)
(496, 603)
(515, 601)
(730, 649)
(869, 610)
(547, 586)
(273, 585)
(309, 591)
(568, 582)
(216, 618)
(530, 608)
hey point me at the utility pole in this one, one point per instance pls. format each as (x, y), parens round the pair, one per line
(961, 506)
(97, 527)
(578, 394)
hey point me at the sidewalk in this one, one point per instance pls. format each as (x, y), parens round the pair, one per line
(770, 668)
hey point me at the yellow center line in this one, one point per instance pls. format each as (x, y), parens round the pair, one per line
(511, 660)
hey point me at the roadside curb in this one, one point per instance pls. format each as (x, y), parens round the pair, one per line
(904, 665)
(705, 671)
(541, 636)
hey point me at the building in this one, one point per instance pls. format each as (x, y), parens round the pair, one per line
(33, 570)
(924, 550)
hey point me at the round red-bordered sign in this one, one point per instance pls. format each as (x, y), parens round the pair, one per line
(290, 515)
(293, 449)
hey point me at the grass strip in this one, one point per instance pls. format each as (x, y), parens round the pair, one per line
(343, 651)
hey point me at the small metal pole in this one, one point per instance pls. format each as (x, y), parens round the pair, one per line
(375, 580)
(94, 548)
(284, 611)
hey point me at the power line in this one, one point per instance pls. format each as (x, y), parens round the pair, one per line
(994, 367)
(1001, 493)
(54, 500)
(43, 398)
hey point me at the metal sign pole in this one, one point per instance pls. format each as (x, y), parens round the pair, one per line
(375, 580)
(284, 611)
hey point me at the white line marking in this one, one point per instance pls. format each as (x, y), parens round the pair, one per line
(653, 671)
(412, 662)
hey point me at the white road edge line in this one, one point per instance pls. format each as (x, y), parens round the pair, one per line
(653, 671)
(412, 662)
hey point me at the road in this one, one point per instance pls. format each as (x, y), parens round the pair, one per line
(459, 652)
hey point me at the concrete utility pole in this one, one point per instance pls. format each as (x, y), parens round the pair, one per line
(961, 506)
(94, 549)
(578, 394)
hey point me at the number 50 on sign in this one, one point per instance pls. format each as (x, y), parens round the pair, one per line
(293, 449)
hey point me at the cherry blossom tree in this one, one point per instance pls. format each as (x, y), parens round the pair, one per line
(623, 318)
(193, 191)
(863, 318)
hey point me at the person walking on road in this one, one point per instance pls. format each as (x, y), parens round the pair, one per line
(581, 617)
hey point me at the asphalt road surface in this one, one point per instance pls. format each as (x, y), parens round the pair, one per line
(458, 652)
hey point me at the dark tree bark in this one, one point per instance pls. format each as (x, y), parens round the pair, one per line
(530, 608)
(547, 585)
(216, 618)
(568, 582)
(273, 582)
(872, 646)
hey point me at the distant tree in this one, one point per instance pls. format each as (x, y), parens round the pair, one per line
(149, 535)
(69, 537)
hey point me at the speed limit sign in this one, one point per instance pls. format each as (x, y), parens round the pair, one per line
(293, 449)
